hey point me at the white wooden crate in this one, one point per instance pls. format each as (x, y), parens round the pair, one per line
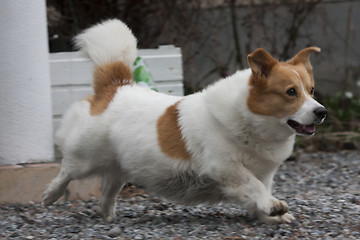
(71, 76)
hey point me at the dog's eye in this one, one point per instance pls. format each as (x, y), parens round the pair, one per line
(312, 91)
(291, 92)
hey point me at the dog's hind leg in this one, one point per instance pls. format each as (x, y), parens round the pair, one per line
(56, 188)
(70, 169)
(112, 185)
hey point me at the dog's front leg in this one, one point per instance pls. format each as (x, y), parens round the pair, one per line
(242, 186)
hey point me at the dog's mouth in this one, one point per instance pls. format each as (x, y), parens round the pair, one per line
(302, 129)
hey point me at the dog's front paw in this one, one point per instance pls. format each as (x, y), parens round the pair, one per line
(274, 207)
(278, 208)
(286, 218)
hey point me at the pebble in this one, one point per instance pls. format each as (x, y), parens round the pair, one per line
(116, 231)
(138, 237)
(321, 189)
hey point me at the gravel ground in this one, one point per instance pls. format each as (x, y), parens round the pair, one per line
(322, 190)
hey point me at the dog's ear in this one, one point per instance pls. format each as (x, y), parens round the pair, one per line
(261, 62)
(303, 57)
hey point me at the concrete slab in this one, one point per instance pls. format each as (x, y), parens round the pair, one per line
(24, 183)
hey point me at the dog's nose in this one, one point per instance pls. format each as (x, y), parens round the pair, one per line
(320, 112)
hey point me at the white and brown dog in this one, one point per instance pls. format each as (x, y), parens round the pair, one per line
(222, 144)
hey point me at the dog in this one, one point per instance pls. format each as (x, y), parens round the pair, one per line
(223, 144)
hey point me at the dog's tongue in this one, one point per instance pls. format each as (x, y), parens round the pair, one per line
(302, 129)
(310, 129)
(306, 129)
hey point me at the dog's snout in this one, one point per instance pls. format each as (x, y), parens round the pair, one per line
(320, 112)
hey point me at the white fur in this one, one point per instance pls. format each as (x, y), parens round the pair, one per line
(107, 42)
(305, 114)
(235, 153)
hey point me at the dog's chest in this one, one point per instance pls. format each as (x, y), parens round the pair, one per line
(263, 158)
(269, 150)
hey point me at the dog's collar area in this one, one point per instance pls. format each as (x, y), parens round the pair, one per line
(302, 129)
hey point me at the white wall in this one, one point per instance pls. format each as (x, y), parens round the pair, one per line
(25, 101)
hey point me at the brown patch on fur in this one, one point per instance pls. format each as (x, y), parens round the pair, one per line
(261, 62)
(107, 79)
(303, 57)
(268, 93)
(169, 134)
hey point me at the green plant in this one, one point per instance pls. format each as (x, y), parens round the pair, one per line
(343, 112)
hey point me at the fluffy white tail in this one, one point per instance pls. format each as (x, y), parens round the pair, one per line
(107, 42)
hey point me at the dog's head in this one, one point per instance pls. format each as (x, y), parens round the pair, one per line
(285, 90)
